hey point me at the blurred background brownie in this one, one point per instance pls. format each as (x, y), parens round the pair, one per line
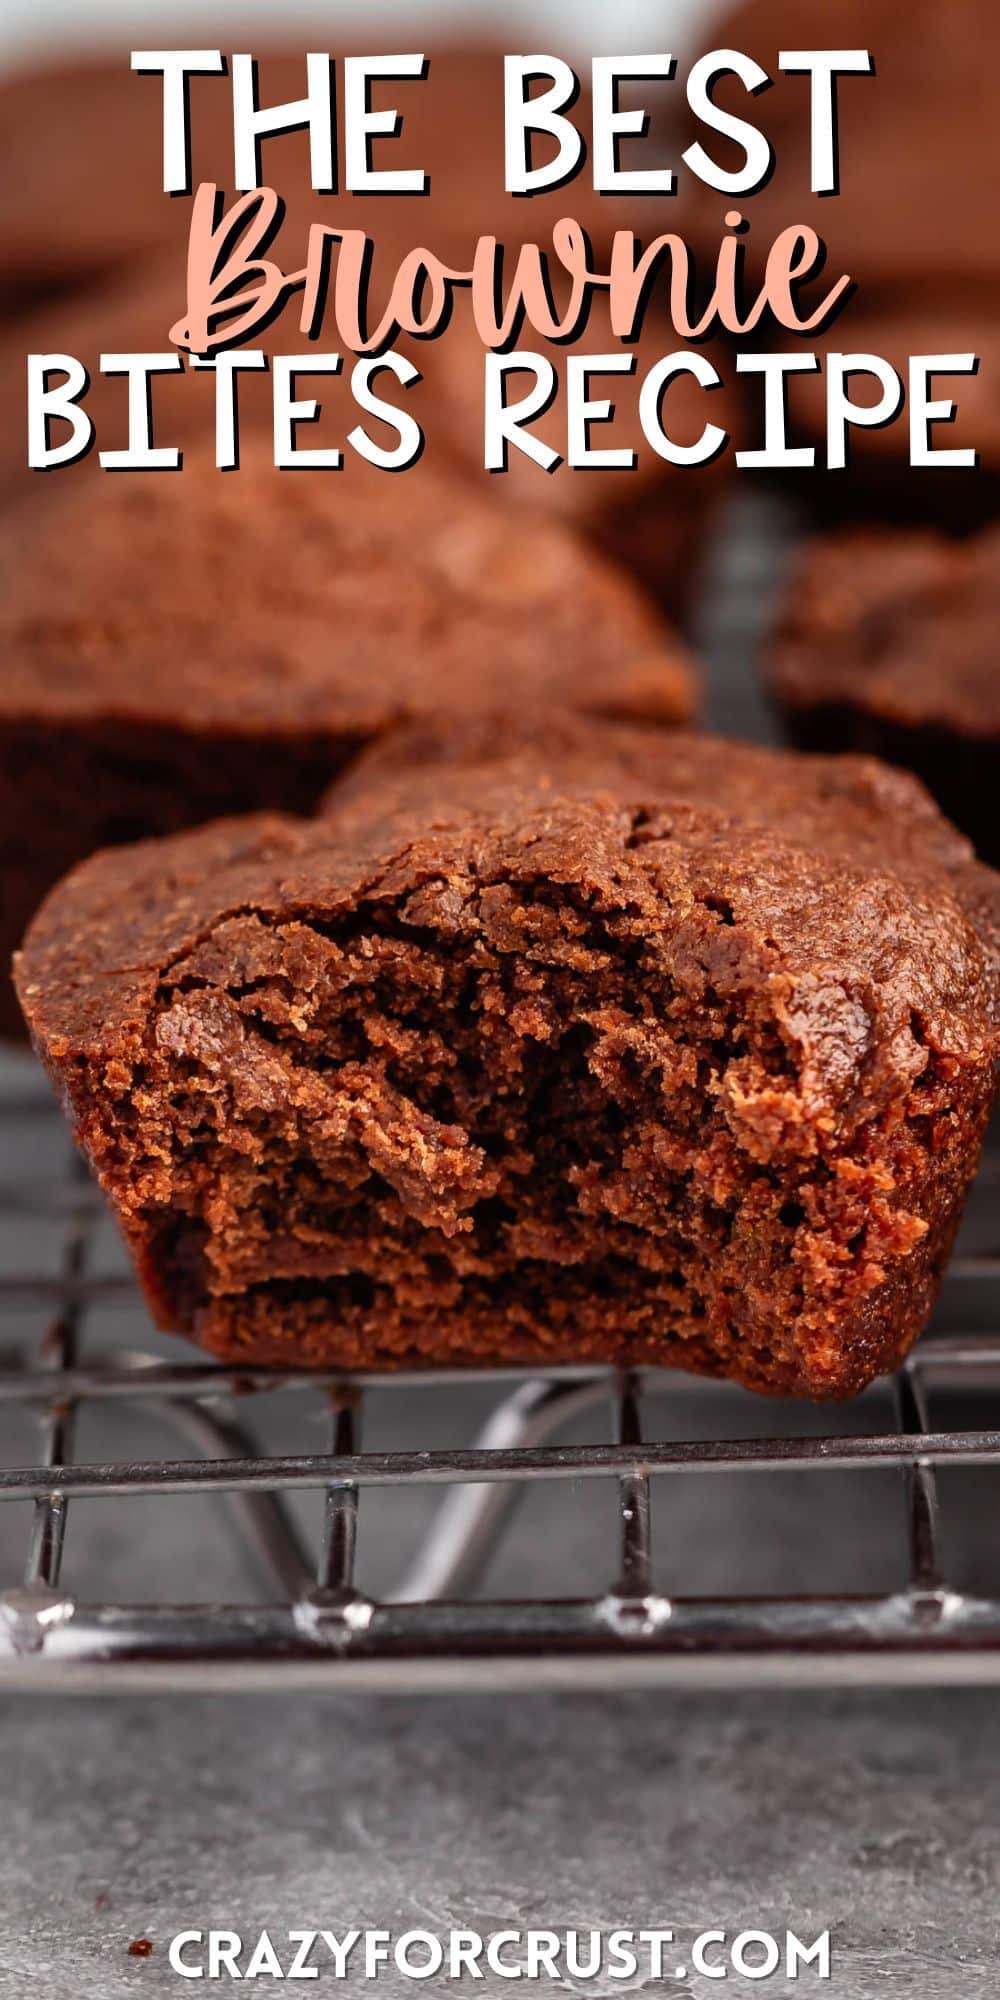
(89, 201)
(655, 519)
(199, 644)
(86, 216)
(888, 643)
(912, 222)
(621, 1046)
(878, 483)
(928, 107)
(91, 198)
(133, 312)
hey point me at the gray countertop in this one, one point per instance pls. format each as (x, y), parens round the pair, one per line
(873, 1815)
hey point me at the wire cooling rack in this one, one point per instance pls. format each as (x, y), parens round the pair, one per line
(437, 1627)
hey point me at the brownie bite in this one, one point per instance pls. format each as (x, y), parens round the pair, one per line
(179, 648)
(96, 259)
(552, 1044)
(912, 223)
(888, 643)
(915, 140)
(81, 160)
(653, 518)
(81, 167)
(878, 483)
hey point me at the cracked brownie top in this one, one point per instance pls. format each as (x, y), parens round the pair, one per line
(835, 870)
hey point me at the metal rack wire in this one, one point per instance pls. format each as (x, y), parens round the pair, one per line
(429, 1631)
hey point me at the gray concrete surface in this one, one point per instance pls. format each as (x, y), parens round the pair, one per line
(875, 1816)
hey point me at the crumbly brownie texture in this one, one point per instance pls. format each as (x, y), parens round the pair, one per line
(90, 198)
(889, 643)
(172, 596)
(610, 1046)
(179, 648)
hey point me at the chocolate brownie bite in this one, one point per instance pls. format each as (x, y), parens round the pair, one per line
(653, 517)
(81, 162)
(176, 648)
(134, 312)
(888, 643)
(915, 139)
(96, 257)
(587, 1045)
(878, 483)
(911, 223)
